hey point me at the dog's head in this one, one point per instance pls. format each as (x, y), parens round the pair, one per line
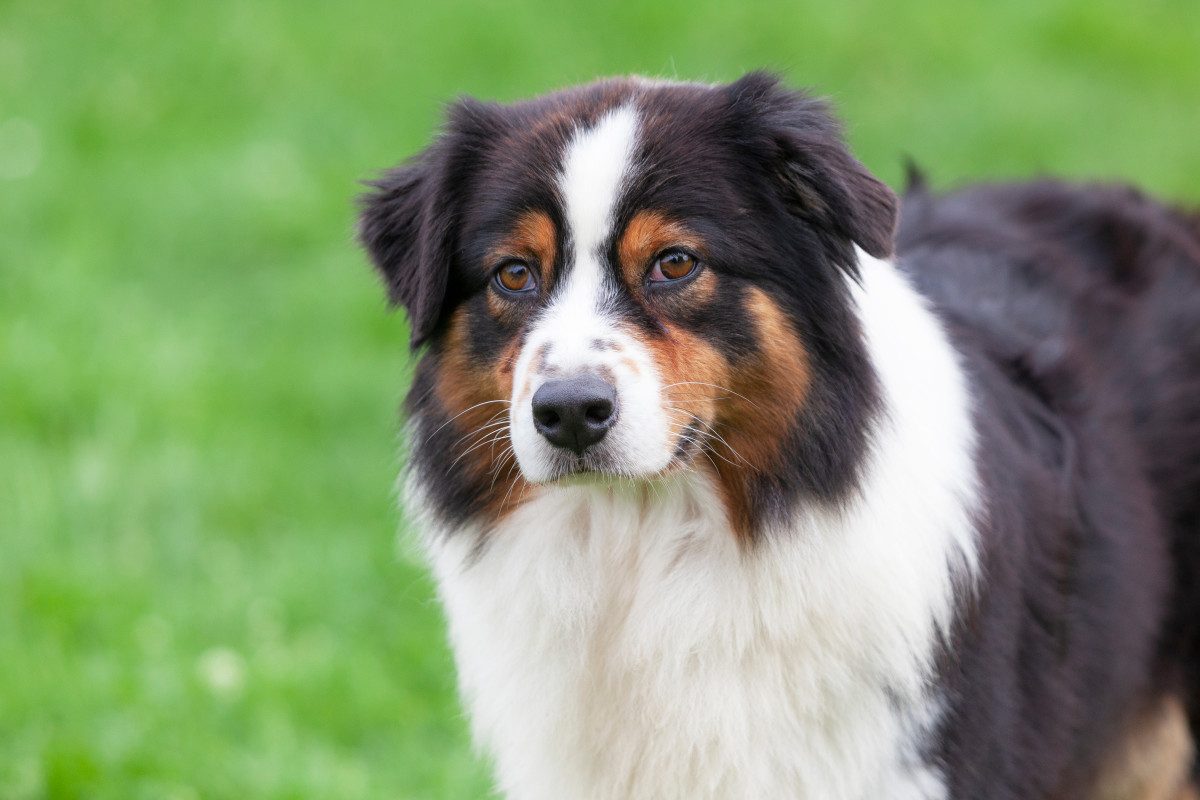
(631, 279)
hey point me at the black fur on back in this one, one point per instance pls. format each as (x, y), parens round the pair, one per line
(1078, 310)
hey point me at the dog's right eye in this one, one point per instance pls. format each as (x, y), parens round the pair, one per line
(515, 277)
(674, 265)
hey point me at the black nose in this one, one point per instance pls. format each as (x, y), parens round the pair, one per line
(575, 413)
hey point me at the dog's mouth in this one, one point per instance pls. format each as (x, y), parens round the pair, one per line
(604, 463)
(589, 467)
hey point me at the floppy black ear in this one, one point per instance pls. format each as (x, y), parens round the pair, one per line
(409, 224)
(405, 226)
(822, 182)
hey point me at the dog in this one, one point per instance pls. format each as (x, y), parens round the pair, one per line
(740, 478)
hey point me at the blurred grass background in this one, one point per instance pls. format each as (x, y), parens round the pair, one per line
(200, 594)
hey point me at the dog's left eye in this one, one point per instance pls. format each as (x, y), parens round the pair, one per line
(673, 265)
(515, 276)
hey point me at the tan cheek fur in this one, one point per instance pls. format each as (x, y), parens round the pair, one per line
(691, 369)
(468, 393)
(771, 392)
(692, 372)
(749, 407)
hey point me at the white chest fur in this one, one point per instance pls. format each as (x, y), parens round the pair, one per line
(616, 642)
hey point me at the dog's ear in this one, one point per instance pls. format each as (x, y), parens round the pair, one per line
(822, 182)
(404, 225)
(408, 224)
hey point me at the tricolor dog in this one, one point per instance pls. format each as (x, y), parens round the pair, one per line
(740, 478)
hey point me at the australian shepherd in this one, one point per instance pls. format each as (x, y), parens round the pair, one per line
(740, 478)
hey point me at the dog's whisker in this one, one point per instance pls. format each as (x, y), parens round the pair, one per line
(712, 385)
(475, 447)
(481, 429)
(464, 411)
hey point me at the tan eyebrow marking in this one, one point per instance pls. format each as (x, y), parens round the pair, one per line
(533, 237)
(646, 235)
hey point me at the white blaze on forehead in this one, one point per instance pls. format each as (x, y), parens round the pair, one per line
(595, 164)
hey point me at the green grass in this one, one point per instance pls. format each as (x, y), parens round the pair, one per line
(200, 591)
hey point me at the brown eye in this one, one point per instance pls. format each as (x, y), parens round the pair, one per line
(515, 276)
(672, 266)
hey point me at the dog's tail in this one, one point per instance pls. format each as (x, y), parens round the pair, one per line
(1191, 216)
(916, 204)
(915, 183)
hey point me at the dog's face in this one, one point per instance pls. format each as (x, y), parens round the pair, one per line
(632, 279)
